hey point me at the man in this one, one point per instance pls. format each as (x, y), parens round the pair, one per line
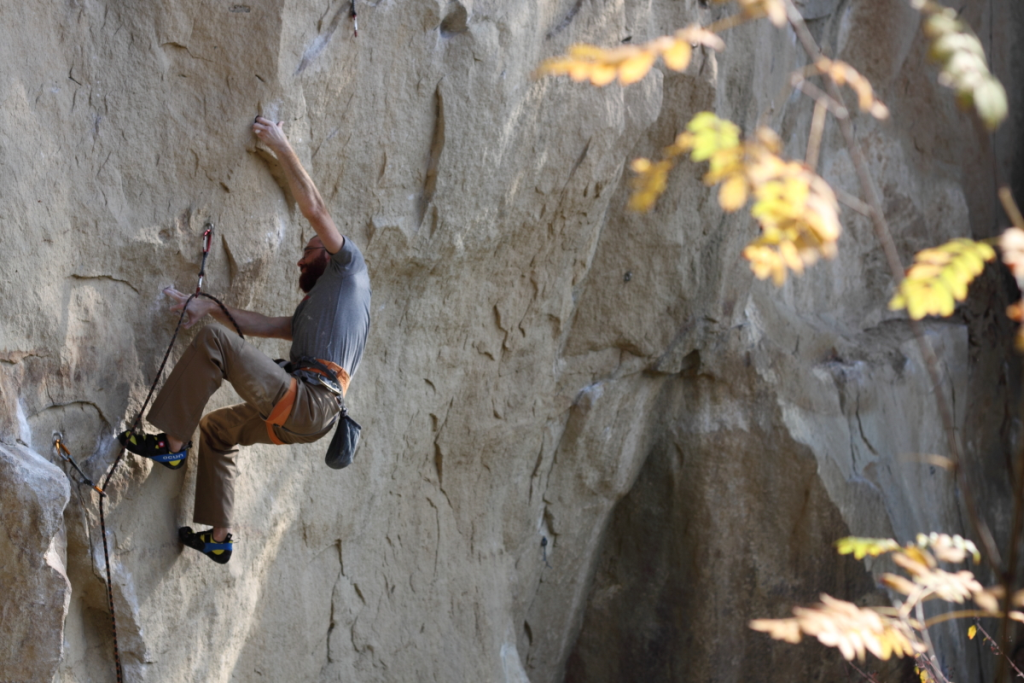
(328, 333)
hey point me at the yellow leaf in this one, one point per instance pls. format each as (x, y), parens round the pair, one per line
(972, 631)
(580, 71)
(584, 51)
(733, 194)
(678, 56)
(900, 584)
(776, 12)
(936, 255)
(924, 271)
(861, 547)
(986, 251)
(640, 165)
(791, 256)
(602, 74)
(956, 286)
(636, 67)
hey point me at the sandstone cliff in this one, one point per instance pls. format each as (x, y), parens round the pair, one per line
(542, 363)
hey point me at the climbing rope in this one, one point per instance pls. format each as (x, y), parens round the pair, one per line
(59, 443)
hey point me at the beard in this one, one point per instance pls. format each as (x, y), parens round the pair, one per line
(311, 274)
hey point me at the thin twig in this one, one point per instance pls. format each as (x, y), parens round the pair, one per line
(731, 21)
(1020, 674)
(853, 202)
(869, 679)
(817, 131)
(1010, 576)
(932, 659)
(838, 109)
(1010, 206)
(884, 236)
(960, 614)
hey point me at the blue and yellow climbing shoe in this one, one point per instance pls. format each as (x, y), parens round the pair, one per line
(204, 543)
(155, 448)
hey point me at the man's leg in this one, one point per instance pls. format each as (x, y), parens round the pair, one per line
(219, 433)
(213, 356)
(242, 425)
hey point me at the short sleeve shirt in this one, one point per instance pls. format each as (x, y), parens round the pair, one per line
(332, 321)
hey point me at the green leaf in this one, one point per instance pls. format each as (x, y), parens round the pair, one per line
(861, 547)
(990, 103)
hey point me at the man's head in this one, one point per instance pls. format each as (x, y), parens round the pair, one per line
(312, 264)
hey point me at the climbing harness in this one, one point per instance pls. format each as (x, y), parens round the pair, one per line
(335, 379)
(65, 454)
(282, 409)
(328, 374)
(355, 24)
(62, 450)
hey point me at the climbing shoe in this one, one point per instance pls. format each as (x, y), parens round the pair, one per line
(154, 447)
(204, 543)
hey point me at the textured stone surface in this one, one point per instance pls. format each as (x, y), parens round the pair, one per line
(542, 364)
(35, 581)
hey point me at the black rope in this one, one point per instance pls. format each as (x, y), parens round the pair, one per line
(207, 239)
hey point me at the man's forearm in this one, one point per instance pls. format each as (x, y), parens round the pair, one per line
(301, 185)
(254, 324)
(303, 189)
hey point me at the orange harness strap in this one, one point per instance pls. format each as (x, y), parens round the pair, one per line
(343, 378)
(282, 409)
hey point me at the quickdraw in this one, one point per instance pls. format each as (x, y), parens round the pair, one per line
(65, 454)
(355, 24)
(207, 239)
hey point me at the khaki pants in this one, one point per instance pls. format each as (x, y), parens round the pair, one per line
(215, 355)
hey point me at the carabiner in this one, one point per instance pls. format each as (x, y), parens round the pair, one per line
(207, 238)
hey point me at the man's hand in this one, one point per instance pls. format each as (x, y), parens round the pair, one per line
(301, 185)
(250, 323)
(198, 308)
(270, 134)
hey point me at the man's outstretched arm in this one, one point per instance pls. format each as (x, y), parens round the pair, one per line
(250, 323)
(303, 190)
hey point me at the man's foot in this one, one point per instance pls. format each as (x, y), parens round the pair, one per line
(155, 447)
(204, 543)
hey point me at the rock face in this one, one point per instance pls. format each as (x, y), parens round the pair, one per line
(594, 446)
(35, 493)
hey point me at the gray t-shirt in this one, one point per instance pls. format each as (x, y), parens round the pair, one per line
(331, 322)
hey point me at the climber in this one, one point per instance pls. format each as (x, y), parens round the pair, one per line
(282, 406)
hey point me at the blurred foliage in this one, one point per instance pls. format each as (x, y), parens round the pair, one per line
(629, 63)
(963, 66)
(891, 631)
(796, 210)
(844, 74)
(939, 278)
(855, 631)
(775, 10)
(863, 547)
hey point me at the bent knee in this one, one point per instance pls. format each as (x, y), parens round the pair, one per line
(211, 433)
(210, 333)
